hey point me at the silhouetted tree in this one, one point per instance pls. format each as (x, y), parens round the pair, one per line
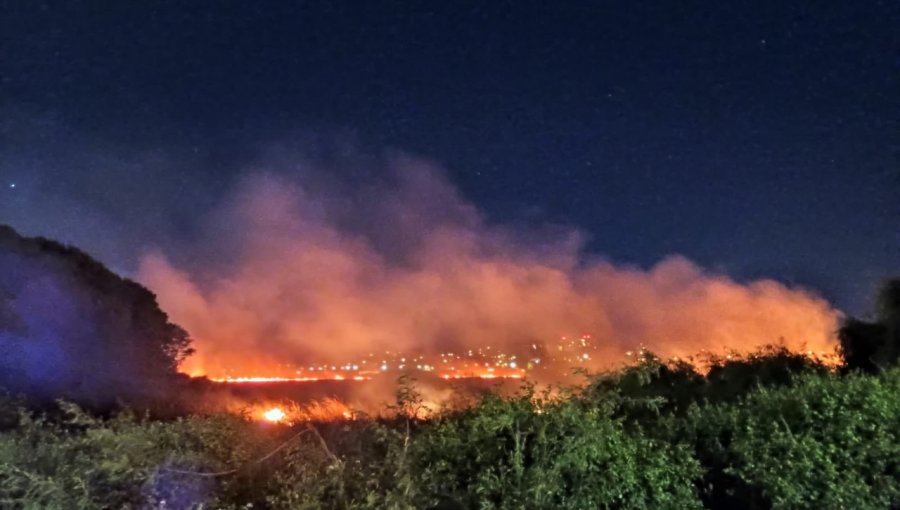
(69, 327)
(872, 346)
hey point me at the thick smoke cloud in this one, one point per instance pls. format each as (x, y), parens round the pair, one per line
(298, 266)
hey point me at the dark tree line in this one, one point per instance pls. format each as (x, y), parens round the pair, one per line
(70, 327)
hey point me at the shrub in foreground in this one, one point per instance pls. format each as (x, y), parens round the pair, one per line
(83, 462)
(511, 453)
(825, 442)
(820, 440)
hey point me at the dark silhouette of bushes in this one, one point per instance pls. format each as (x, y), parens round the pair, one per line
(653, 388)
(872, 346)
(70, 327)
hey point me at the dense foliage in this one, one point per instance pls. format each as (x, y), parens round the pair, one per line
(70, 327)
(825, 442)
(818, 440)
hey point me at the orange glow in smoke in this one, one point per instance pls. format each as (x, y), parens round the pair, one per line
(298, 290)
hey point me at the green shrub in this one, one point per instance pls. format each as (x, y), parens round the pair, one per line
(810, 439)
(355, 465)
(83, 462)
(826, 442)
(511, 453)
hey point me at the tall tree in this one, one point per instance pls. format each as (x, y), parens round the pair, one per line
(70, 327)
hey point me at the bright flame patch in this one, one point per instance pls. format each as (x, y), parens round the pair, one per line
(274, 415)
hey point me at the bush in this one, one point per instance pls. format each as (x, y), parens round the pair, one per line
(826, 442)
(83, 462)
(653, 389)
(815, 439)
(511, 453)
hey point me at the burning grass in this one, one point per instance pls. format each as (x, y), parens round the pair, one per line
(291, 412)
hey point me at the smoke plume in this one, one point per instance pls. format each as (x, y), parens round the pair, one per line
(312, 268)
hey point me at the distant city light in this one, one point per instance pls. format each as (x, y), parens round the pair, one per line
(486, 362)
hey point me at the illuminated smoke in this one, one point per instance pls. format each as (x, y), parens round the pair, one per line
(305, 269)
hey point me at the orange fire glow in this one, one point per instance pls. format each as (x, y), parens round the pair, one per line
(274, 415)
(289, 412)
(413, 278)
(262, 379)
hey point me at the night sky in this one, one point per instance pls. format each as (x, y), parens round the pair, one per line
(755, 138)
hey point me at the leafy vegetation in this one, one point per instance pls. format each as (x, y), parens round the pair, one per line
(515, 453)
(820, 440)
(825, 442)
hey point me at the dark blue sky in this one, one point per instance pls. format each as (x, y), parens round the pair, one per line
(759, 138)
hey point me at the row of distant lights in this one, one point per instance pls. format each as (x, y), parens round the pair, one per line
(359, 373)
(424, 367)
(449, 357)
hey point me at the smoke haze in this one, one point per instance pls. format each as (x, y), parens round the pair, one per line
(300, 266)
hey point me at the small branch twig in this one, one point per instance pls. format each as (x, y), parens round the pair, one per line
(309, 428)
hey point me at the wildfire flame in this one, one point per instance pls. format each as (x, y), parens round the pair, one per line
(260, 379)
(291, 412)
(274, 415)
